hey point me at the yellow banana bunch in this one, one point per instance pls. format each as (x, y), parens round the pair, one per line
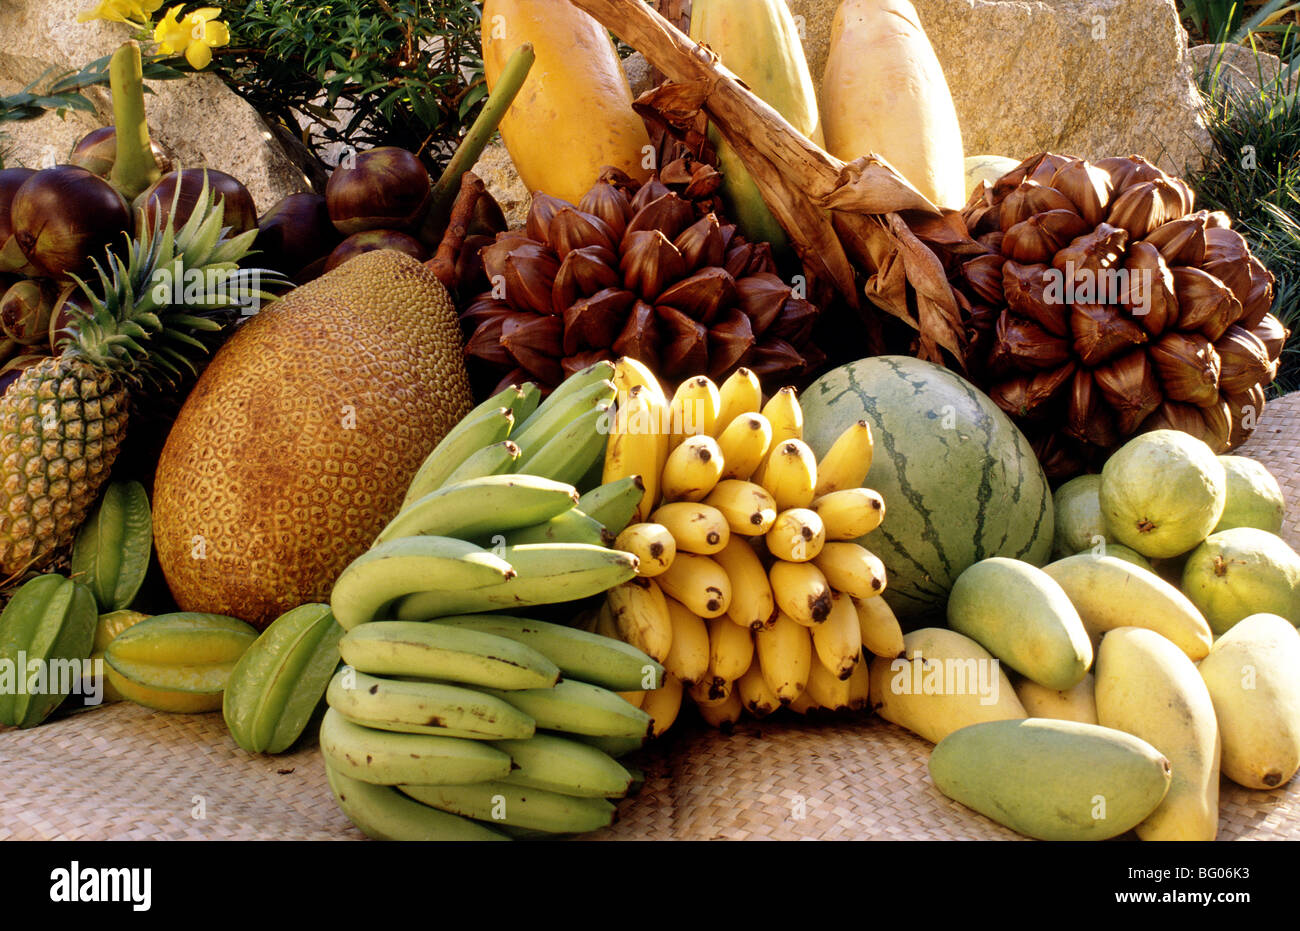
(755, 589)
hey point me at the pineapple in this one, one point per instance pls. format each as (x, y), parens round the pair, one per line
(62, 422)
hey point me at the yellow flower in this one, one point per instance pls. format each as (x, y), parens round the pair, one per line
(195, 36)
(120, 11)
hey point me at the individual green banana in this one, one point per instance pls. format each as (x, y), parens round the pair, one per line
(490, 460)
(530, 397)
(564, 392)
(465, 439)
(390, 758)
(280, 680)
(111, 552)
(580, 655)
(49, 625)
(570, 527)
(569, 767)
(613, 503)
(453, 654)
(614, 746)
(422, 707)
(554, 415)
(399, 567)
(638, 779)
(383, 813)
(575, 707)
(503, 803)
(492, 504)
(545, 573)
(568, 455)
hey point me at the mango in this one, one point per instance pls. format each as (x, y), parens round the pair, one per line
(1120, 551)
(180, 652)
(1243, 571)
(1074, 704)
(1053, 780)
(1018, 613)
(944, 681)
(1110, 593)
(1253, 676)
(1148, 687)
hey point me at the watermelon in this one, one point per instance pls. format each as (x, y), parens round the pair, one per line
(960, 481)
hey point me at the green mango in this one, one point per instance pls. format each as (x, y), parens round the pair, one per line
(1023, 617)
(1053, 780)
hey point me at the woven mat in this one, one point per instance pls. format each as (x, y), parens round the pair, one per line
(125, 772)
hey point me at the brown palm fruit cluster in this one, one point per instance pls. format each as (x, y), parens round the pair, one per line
(653, 271)
(1107, 305)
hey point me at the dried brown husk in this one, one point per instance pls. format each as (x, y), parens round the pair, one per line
(582, 273)
(650, 263)
(1124, 172)
(1144, 207)
(1087, 257)
(1131, 388)
(1037, 239)
(701, 295)
(1204, 302)
(1272, 334)
(1028, 199)
(595, 322)
(1245, 360)
(1025, 346)
(1227, 257)
(1260, 300)
(1102, 332)
(1175, 415)
(1188, 366)
(1030, 396)
(1245, 409)
(1148, 292)
(1023, 288)
(639, 337)
(1181, 241)
(984, 276)
(1087, 187)
(761, 297)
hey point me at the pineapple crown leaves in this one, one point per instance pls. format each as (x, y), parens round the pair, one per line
(160, 305)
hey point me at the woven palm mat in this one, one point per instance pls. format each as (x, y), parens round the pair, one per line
(125, 772)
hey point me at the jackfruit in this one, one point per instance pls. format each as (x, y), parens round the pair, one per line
(298, 441)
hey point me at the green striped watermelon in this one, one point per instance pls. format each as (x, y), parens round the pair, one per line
(960, 481)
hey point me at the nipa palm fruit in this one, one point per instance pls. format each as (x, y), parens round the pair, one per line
(649, 271)
(1104, 304)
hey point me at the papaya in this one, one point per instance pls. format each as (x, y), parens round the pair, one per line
(1019, 614)
(1053, 780)
(943, 681)
(1253, 676)
(1148, 687)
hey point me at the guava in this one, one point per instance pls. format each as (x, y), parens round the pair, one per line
(1243, 571)
(1254, 496)
(1120, 551)
(1162, 493)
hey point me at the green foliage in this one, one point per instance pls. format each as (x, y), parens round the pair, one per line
(1254, 175)
(400, 72)
(1237, 22)
(61, 92)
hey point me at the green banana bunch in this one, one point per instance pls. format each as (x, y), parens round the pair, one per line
(507, 804)
(391, 758)
(383, 813)
(279, 681)
(453, 654)
(417, 706)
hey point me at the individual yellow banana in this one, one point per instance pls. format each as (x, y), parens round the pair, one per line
(605, 626)
(630, 373)
(696, 527)
(636, 699)
(739, 394)
(850, 513)
(882, 635)
(785, 415)
(755, 694)
(652, 544)
(748, 508)
(826, 690)
(848, 461)
(785, 655)
(710, 690)
(744, 444)
(693, 409)
(663, 705)
(699, 583)
(752, 603)
(801, 591)
(796, 536)
(692, 469)
(859, 686)
(789, 473)
(838, 641)
(640, 614)
(803, 703)
(852, 568)
(688, 657)
(637, 445)
(731, 649)
(723, 714)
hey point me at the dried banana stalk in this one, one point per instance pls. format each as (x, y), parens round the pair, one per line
(843, 219)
